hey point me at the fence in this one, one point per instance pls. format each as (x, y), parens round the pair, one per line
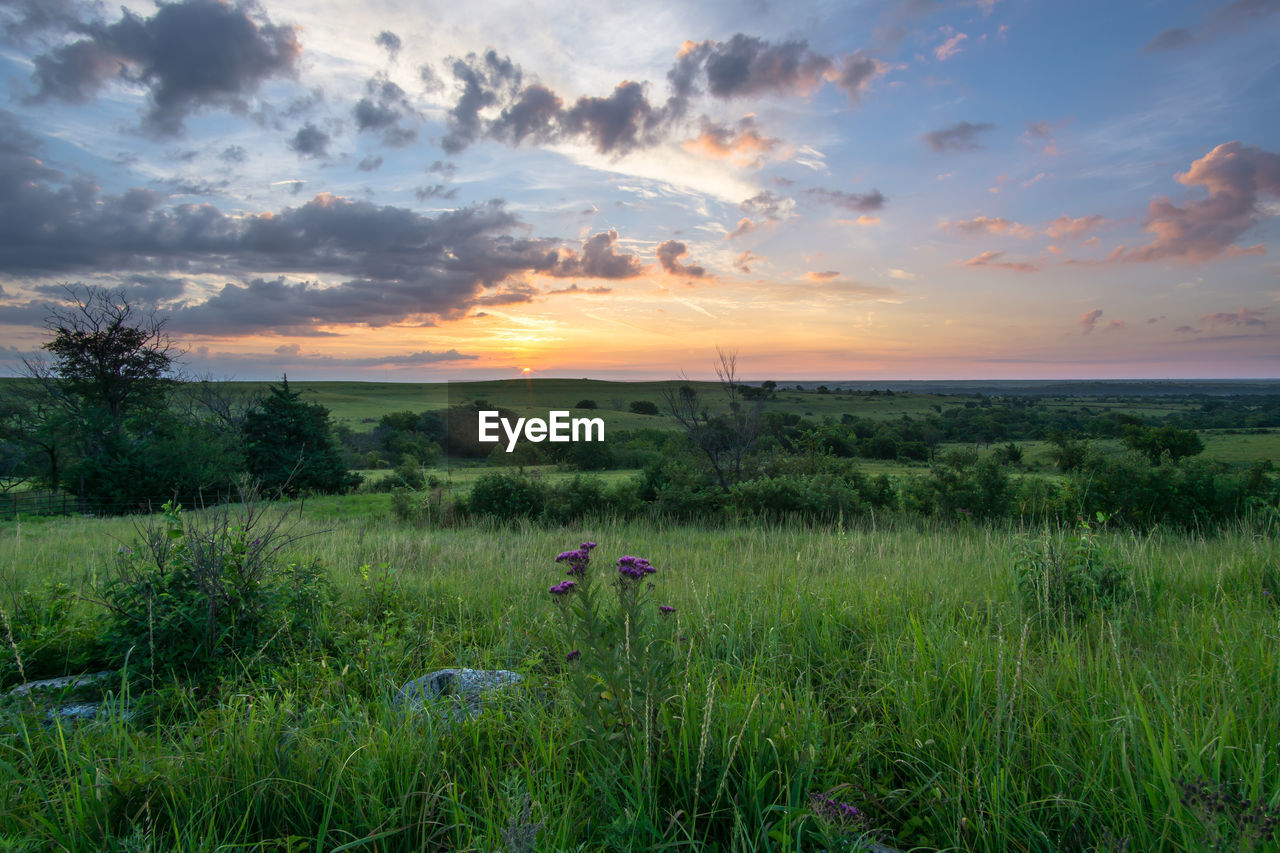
(26, 504)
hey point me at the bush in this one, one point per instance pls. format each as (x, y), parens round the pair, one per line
(197, 593)
(644, 407)
(507, 496)
(586, 404)
(1071, 579)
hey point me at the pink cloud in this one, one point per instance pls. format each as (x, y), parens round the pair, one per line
(992, 259)
(1089, 319)
(987, 225)
(1235, 176)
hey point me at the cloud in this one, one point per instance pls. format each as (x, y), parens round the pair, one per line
(599, 258)
(987, 225)
(435, 191)
(574, 289)
(1065, 227)
(992, 259)
(857, 202)
(1243, 317)
(1235, 176)
(189, 56)
(742, 144)
(824, 275)
(1233, 16)
(743, 262)
(328, 261)
(495, 101)
(381, 111)
(388, 41)
(1186, 330)
(370, 163)
(950, 47)
(669, 254)
(1090, 319)
(310, 141)
(902, 275)
(768, 204)
(234, 154)
(744, 227)
(961, 136)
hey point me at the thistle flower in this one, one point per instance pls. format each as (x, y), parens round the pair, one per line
(573, 655)
(634, 568)
(562, 588)
(578, 558)
(666, 609)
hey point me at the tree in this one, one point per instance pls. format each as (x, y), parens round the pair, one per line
(96, 418)
(1157, 442)
(725, 438)
(289, 446)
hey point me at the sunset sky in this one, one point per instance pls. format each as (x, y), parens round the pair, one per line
(394, 190)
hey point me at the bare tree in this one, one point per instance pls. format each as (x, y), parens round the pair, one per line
(723, 438)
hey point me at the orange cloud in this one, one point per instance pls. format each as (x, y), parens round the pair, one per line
(988, 225)
(1065, 227)
(743, 146)
(992, 259)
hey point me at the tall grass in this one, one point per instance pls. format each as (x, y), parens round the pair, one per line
(890, 663)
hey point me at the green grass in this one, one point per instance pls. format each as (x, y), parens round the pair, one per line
(890, 662)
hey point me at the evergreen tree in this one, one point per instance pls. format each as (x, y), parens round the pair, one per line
(289, 446)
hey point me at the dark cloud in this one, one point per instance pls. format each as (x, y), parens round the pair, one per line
(389, 41)
(370, 163)
(619, 123)
(188, 56)
(599, 258)
(234, 154)
(443, 167)
(1235, 176)
(494, 101)
(435, 191)
(382, 109)
(743, 262)
(747, 66)
(961, 136)
(859, 202)
(362, 263)
(310, 141)
(669, 255)
(1089, 320)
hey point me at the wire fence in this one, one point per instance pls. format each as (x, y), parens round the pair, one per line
(35, 504)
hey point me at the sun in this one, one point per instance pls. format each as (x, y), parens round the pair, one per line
(526, 370)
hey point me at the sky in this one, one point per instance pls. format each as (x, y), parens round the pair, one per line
(419, 191)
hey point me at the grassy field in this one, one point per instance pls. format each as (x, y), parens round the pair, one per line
(889, 665)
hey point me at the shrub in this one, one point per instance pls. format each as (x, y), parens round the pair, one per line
(644, 407)
(50, 636)
(507, 496)
(200, 592)
(586, 404)
(1065, 580)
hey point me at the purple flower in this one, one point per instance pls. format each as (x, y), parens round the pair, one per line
(835, 812)
(562, 588)
(578, 558)
(666, 609)
(634, 568)
(573, 655)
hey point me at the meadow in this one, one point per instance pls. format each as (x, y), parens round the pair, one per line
(889, 665)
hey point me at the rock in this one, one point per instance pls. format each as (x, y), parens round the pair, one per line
(458, 691)
(66, 682)
(75, 691)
